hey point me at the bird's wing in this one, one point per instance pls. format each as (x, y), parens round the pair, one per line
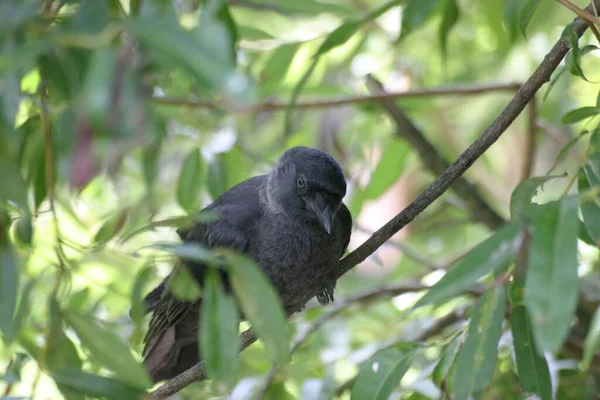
(345, 220)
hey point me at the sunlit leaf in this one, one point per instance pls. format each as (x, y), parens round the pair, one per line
(450, 14)
(183, 222)
(261, 305)
(580, 114)
(520, 200)
(552, 285)
(183, 285)
(189, 251)
(491, 255)
(219, 331)
(278, 64)
(416, 13)
(189, 183)
(111, 226)
(137, 311)
(379, 375)
(476, 360)
(532, 367)
(526, 13)
(339, 36)
(216, 178)
(390, 167)
(108, 350)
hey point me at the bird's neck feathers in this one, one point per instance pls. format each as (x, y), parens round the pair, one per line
(276, 193)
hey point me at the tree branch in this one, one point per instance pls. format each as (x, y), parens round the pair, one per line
(277, 105)
(470, 155)
(433, 160)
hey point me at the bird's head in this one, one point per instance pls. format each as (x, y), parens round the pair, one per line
(307, 183)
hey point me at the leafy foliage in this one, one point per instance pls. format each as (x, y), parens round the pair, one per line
(121, 119)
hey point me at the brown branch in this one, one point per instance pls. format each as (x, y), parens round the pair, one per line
(470, 155)
(434, 191)
(529, 148)
(432, 159)
(276, 105)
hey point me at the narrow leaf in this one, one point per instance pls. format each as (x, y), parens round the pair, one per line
(477, 359)
(278, 64)
(520, 200)
(565, 150)
(108, 350)
(96, 386)
(261, 305)
(390, 167)
(216, 179)
(532, 367)
(447, 360)
(415, 14)
(592, 341)
(188, 186)
(339, 36)
(491, 255)
(219, 332)
(579, 114)
(380, 375)
(526, 13)
(590, 209)
(9, 282)
(552, 285)
(450, 13)
(183, 285)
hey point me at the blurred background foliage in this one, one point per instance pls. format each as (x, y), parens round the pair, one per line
(120, 117)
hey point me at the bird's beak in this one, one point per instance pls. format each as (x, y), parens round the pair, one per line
(325, 217)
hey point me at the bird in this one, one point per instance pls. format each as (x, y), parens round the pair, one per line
(292, 222)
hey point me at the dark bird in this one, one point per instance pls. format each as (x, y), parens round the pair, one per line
(291, 222)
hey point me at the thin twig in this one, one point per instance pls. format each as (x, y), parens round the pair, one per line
(529, 149)
(434, 161)
(277, 105)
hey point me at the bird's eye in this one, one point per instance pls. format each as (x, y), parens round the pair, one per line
(301, 184)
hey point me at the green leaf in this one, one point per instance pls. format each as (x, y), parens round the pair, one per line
(339, 36)
(390, 167)
(579, 114)
(219, 344)
(195, 54)
(490, 255)
(189, 184)
(573, 59)
(526, 13)
(552, 285)
(137, 311)
(261, 305)
(216, 178)
(150, 161)
(450, 14)
(183, 285)
(592, 340)
(24, 229)
(477, 358)
(380, 375)
(91, 17)
(59, 353)
(189, 251)
(217, 24)
(565, 151)
(9, 283)
(184, 222)
(13, 15)
(532, 367)
(415, 14)
(96, 386)
(520, 200)
(23, 310)
(447, 360)
(111, 227)
(590, 209)
(108, 350)
(12, 186)
(278, 64)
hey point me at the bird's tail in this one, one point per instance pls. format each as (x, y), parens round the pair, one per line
(172, 340)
